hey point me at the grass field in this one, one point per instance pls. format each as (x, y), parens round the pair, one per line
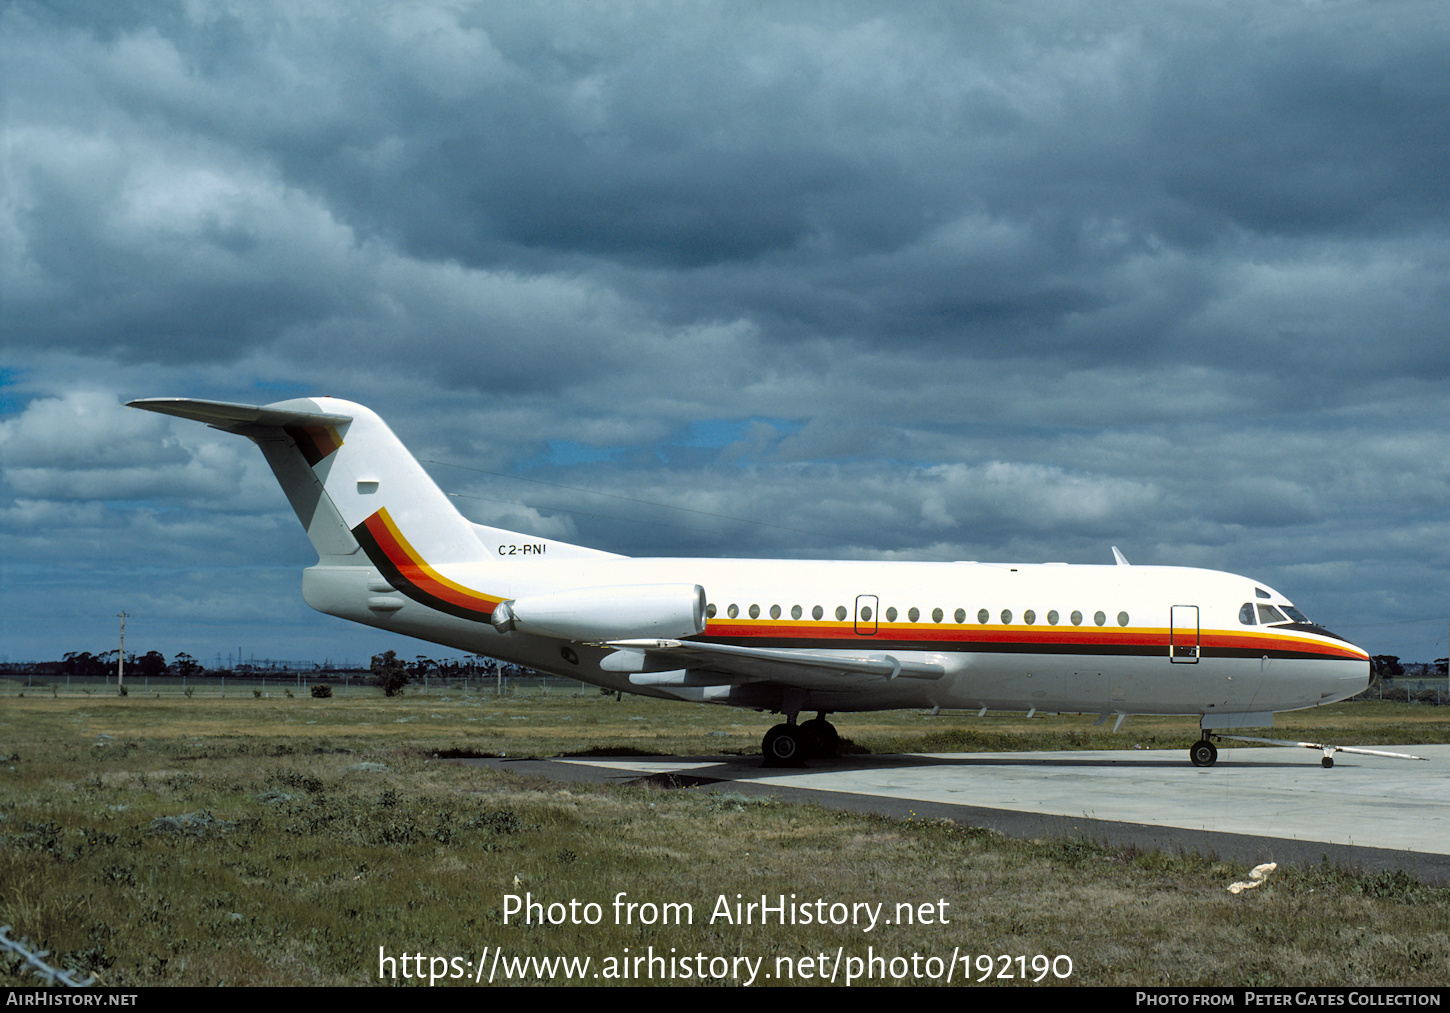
(284, 841)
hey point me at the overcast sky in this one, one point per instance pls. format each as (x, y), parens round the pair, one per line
(943, 281)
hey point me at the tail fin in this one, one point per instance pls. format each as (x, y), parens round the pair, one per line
(349, 479)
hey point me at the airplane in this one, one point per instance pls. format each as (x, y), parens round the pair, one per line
(783, 636)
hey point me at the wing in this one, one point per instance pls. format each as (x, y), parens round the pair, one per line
(690, 662)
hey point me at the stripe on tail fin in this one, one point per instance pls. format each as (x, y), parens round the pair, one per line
(410, 573)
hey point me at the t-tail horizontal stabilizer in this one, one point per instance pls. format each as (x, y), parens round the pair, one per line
(233, 417)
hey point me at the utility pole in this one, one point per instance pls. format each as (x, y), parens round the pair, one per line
(121, 658)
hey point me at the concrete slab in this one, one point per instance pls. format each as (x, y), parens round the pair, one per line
(1254, 802)
(1369, 802)
(1263, 793)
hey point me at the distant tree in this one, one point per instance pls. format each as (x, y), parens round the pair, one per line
(150, 665)
(186, 666)
(389, 674)
(91, 665)
(1387, 666)
(1442, 667)
(83, 664)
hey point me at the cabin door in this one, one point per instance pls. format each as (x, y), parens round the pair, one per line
(1183, 635)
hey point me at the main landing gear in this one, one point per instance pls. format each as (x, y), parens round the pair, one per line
(791, 744)
(1203, 753)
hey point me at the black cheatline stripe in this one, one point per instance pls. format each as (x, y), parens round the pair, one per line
(1309, 628)
(395, 577)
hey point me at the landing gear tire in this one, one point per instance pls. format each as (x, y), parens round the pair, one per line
(820, 738)
(784, 746)
(1327, 762)
(1203, 753)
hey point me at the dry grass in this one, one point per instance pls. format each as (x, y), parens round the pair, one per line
(335, 832)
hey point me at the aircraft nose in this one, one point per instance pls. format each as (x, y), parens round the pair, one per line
(1362, 678)
(1352, 679)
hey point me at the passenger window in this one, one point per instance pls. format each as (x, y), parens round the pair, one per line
(1029, 617)
(1006, 617)
(891, 614)
(1099, 618)
(817, 612)
(709, 611)
(1246, 613)
(775, 612)
(795, 611)
(1122, 619)
(961, 616)
(936, 615)
(733, 610)
(982, 616)
(1076, 617)
(1052, 618)
(866, 613)
(755, 612)
(840, 612)
(912, 614)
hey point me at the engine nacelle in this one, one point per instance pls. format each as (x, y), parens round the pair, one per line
(620, 612)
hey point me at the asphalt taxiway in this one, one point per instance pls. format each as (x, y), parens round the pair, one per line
(1257, 804)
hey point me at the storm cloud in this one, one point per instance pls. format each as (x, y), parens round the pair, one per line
(988, 281)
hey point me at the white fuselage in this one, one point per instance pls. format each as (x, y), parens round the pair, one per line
(1055, 637)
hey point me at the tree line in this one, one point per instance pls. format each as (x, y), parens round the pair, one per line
(153, 665)
(1389, 666)
(85, 665)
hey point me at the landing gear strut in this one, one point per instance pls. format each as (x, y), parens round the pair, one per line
(790, 744)
(1203, 753)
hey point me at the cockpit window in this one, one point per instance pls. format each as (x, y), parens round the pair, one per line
(1269, 614)
(1246, 614)
(1261, 593)
(1296, 615)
